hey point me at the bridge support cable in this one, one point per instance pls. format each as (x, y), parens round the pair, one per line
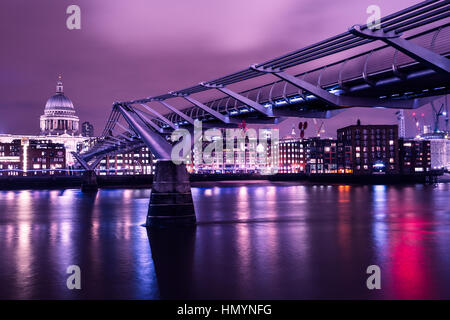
(81, 161)
(250, 103)
(122, 135)
(160, 116)
(178, 112)
(159, 146)
(132, 133)
(95, 163)
(112, 120)
(427, 57)
(116, 139)
(109, 143)
(149, 122)
(214, 113)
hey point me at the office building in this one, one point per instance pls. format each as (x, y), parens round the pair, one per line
(368, 149)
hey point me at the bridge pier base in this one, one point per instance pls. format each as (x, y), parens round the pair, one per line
(171, 199)
(89, 181)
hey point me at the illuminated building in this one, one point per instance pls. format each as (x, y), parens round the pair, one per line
(237, 157)
(415, 156)
(43, 156)
(59, 114)
(292, 155)
(322, 156)
(368, 149)
(440, 153)
(32, 157)
(70, 143)
(138, 161)
(439, 148)
(59, 125)
(10, 162)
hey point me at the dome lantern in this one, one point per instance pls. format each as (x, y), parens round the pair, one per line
(59, 114)
(59, 85)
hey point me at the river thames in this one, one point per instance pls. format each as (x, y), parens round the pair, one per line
(254, 240)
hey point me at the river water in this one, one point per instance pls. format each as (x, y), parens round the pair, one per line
(254, 240)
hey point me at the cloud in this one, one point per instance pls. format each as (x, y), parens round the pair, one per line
(229, 26)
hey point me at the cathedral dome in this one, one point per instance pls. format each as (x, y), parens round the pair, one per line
(59, 102)
(59, 114)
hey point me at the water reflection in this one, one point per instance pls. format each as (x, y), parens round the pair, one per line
(173, 255)
(253, 241)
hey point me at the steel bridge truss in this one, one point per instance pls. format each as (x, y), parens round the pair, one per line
(405, 72)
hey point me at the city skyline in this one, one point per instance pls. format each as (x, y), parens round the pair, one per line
(105, 61)
(209, 153)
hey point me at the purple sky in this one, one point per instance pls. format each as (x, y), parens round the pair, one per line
(134, 49)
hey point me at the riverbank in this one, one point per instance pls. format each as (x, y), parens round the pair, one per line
(73, 182)
(145, 181)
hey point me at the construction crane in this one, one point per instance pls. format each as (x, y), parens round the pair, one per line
(401, 123)
(416, 121)
(437, 113)
(321, 130)
(445, 113)
(293, 130)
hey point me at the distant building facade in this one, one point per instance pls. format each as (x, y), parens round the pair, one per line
(26, 157)
(440, 153)
(10, 162)
(415, 156)
(439, 147)
(136, 162)
(238, 156)
(368, 149)
(87, 129)
(292, 155)
(322, 155)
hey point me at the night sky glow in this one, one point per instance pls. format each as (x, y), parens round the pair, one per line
(134, 49)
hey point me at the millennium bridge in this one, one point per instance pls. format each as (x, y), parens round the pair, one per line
(401, 63)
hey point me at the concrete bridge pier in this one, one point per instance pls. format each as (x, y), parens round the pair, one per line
(89, 181)
(171, 199)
